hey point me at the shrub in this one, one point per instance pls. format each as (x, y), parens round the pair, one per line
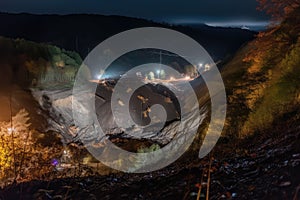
(21, 157)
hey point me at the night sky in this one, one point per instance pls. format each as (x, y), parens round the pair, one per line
(212, 12)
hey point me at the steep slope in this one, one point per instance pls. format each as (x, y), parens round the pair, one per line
(263, 80)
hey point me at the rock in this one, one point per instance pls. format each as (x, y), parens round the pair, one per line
(296, 155)
(192, 194)
(58, 103)
(285, 184)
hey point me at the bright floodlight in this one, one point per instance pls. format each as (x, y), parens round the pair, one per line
(99, 77)
(158, 71)
(200, 64)
(10, 130)
(187, 77)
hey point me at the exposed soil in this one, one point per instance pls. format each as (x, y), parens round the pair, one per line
(261, 167)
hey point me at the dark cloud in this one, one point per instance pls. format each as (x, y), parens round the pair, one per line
(160, 10)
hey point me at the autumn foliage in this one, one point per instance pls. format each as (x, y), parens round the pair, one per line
(264, 75)
(278, 9)
(22, 158)
(279, 37)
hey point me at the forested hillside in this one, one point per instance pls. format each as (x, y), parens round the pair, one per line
(29, 64)
(83, 32)
(262, 80)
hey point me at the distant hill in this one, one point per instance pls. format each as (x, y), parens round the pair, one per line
(81, 32)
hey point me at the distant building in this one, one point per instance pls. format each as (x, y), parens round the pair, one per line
(139, 74)
(206, 67)
(151, 76)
